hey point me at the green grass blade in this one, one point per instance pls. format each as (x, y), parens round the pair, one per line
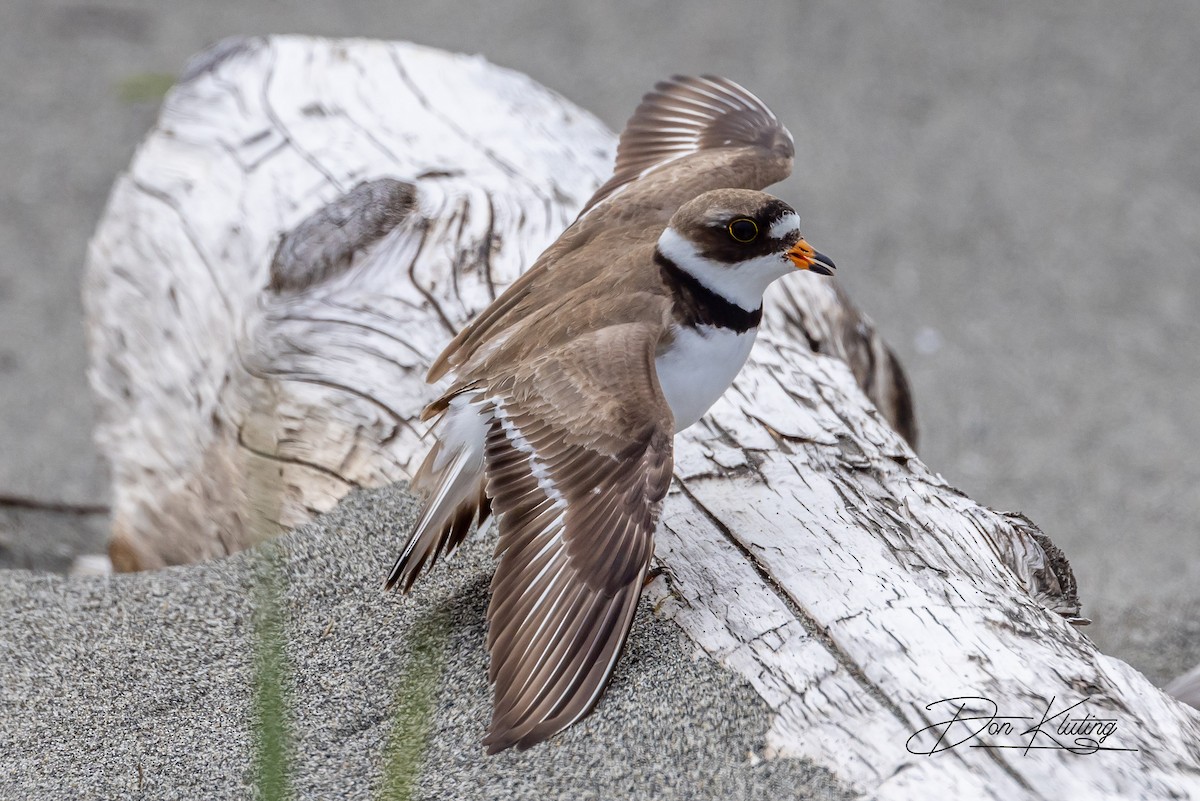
(415, 698)
(273, 747)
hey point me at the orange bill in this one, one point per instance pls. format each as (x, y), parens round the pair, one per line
(805, 258)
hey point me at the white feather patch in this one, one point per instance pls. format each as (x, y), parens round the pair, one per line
(536, 466)
(698, 368)
(785, 225)
(463, 434)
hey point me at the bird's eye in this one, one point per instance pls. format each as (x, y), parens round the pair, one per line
(743, 230)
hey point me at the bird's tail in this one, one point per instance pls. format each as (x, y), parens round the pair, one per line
(451, 481)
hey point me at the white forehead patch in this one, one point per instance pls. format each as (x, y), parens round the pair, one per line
(786, 224)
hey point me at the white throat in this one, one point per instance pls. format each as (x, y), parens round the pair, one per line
(742, 283)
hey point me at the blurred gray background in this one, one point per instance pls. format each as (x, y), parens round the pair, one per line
(1011, 190)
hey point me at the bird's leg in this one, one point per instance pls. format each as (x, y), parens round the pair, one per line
(658, 569)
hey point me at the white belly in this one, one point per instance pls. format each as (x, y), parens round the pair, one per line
(699, 367)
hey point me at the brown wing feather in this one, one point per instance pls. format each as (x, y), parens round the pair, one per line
(688, 115)
(577, 493)
(688, 136)
(439, 530)
(450, 481)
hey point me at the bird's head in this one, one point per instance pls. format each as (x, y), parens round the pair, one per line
(737, 241)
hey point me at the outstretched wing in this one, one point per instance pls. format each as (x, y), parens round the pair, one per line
(688, 136)
(710, 132)
(578, 460)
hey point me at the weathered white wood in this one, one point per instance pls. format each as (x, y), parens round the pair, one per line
(309, 223)
(226, 408)
(866, 588)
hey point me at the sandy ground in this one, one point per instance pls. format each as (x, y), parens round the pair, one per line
(139, 709)
(1011, 190)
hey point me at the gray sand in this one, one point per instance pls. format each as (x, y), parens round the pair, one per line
(147, 678)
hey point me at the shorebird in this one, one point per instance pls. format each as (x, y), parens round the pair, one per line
(567, 391)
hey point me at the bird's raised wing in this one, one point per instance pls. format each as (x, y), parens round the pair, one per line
(688, 136)
(578, 460)
(693, 134)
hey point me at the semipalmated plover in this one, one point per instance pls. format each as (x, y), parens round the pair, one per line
(568, 390)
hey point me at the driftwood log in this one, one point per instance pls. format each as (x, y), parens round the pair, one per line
(312, 220)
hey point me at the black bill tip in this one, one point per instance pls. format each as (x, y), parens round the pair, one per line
(821, 264)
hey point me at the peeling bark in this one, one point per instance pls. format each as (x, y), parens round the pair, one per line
(312, 220)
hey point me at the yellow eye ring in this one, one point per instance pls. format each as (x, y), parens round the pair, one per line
(743, 230)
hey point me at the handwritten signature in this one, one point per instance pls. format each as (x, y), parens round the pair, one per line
(977, 718)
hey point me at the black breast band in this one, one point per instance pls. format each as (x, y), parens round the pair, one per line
(699, 305)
